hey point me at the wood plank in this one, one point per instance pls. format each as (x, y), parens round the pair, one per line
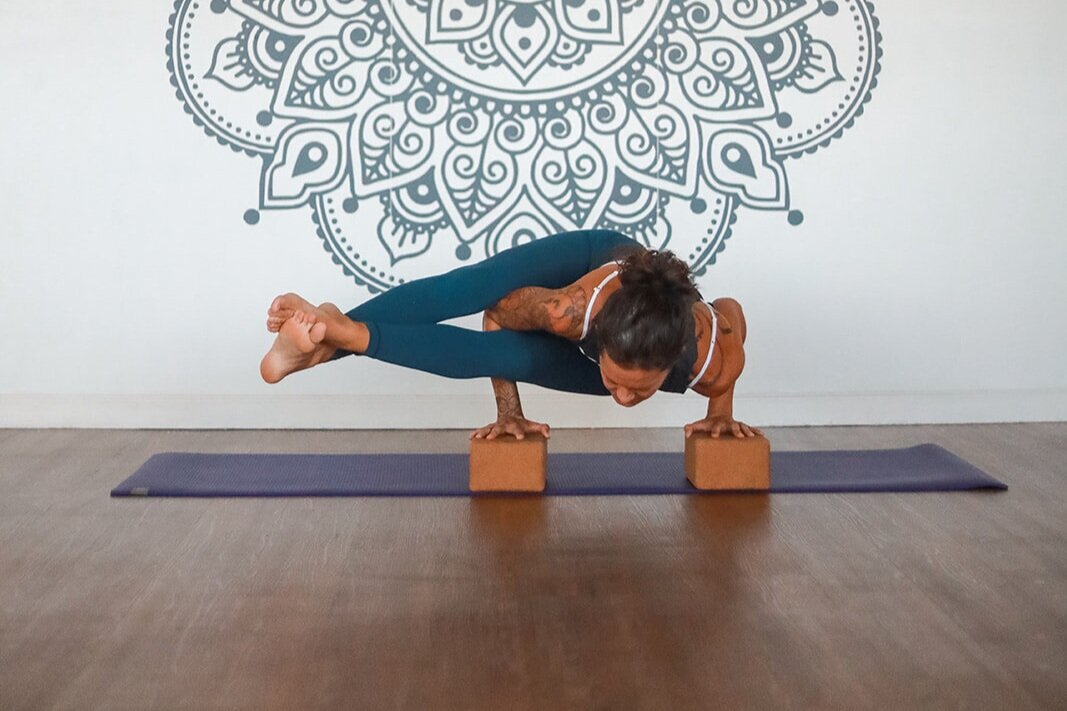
(787, 601)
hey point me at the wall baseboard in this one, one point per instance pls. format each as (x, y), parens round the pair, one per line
(561, 410)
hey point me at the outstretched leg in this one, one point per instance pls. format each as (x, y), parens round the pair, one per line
(384, 326)
(535, 357)
(551, 262)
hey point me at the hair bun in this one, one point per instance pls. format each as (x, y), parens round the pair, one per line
(648, 321)
(659, 272)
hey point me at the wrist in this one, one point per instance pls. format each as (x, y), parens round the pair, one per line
(720, 411)
(508, 409)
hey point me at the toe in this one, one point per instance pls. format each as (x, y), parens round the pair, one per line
(286, 302)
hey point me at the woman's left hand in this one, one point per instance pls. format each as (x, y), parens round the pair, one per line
(719, 424)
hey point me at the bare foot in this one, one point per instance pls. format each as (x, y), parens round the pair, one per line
(337, 325)
(284, 307)
(329, 325)
(294, 348)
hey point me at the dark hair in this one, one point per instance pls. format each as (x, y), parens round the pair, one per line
(645, 323)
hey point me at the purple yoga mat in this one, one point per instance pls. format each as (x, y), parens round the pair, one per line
(924, 467)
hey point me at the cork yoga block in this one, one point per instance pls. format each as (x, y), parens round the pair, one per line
(728, 462)
(507, 463)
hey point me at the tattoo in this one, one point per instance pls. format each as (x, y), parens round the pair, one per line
(507, 397)
(572, 314)
(506, 392)
(520, 310)
(534, 308)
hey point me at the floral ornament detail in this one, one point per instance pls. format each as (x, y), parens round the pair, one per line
(524, 37)
(453, 129)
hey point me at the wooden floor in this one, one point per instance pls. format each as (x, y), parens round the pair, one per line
(805, 601)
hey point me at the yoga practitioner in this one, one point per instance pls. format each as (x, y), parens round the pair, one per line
(585, 311)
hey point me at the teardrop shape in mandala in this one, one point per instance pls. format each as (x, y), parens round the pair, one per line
(454, 20)
(525, 40)
(592, 20)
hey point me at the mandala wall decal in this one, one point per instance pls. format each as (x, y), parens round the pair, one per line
(453, 129)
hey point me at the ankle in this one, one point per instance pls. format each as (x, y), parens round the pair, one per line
(358, 337)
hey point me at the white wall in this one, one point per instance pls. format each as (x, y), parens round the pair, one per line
(926, 283)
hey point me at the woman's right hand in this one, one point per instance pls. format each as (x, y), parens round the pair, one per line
(510, 424)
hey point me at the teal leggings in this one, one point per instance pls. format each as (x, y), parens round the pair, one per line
(404, 328)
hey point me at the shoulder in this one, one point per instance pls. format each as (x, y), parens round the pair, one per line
(573, 301)
(728, 359)
(730, 310)
(595, 278)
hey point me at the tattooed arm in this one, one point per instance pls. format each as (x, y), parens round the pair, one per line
(531, 308)
(534, 308)
(509, 417)
(507, 392)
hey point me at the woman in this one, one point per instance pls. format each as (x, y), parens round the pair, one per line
(586, 311)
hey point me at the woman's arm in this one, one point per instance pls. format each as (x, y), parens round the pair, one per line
(531, 308)
(509, 417)
(507, 392)
(534, 308)
(719, 387)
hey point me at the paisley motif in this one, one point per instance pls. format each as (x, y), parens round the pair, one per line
(452, 129)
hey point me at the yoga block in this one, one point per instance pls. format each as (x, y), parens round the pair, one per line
(507, 463)
(728, 463)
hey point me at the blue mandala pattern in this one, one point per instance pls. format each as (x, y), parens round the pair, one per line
(456, 127)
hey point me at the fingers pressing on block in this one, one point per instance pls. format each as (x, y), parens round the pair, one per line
(507, 463)
(727, 462)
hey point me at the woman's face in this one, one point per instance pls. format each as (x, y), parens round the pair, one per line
(629, 386)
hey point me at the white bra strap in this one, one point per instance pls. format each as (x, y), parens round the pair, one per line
(592, 299)
(711, 348)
